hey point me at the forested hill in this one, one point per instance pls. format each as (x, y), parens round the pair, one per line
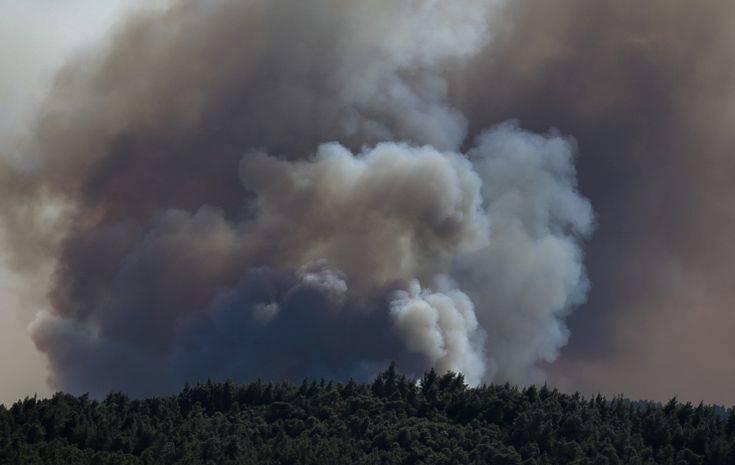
(393, 420)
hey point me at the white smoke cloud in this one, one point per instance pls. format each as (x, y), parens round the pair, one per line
(393, 212)
(443, 326)
(531, 274)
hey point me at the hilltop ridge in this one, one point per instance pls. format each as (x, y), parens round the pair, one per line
(393, 420)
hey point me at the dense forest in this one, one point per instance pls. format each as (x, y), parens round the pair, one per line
(393, 420)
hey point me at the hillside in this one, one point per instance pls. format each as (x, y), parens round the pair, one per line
(393, 420)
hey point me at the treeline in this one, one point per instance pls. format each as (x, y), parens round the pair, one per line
(393, 420)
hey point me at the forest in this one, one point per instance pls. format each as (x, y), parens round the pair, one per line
(395, 419)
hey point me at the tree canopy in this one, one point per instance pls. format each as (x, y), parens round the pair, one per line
(393, 420)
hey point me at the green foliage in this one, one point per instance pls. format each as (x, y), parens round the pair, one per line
(394, 420)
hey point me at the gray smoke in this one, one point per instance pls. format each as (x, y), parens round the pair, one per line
(284, 188)
(647, 90)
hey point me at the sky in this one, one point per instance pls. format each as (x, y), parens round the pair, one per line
(247, 182)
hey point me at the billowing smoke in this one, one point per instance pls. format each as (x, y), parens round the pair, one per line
(284, 189)
(648, 91)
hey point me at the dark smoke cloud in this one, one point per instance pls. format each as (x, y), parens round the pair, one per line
(200, 227)
(203, 224)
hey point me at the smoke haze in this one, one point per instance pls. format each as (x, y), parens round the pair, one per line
(648, 92)
(35, 39)
(288, 188)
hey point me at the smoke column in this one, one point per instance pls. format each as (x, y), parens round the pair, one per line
(282, 189)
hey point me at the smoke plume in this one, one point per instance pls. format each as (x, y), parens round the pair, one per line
(285, 189)
(647, 90)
